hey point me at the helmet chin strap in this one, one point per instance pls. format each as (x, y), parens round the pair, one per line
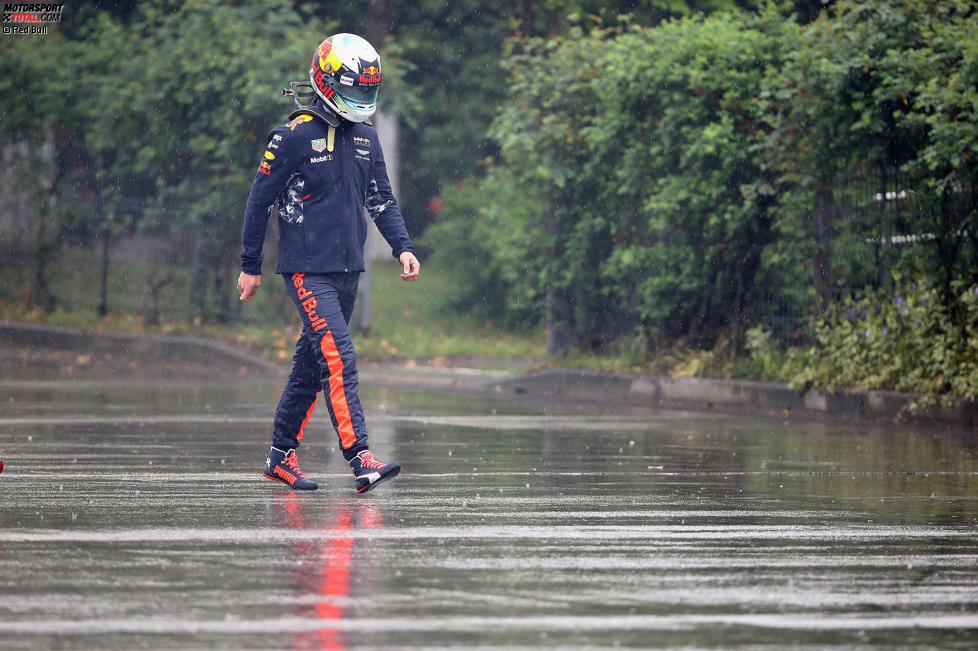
(314, 107)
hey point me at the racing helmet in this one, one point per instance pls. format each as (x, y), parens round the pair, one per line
(345, 73)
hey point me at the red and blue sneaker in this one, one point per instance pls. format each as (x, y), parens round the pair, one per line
(370, 472)
(283, 466)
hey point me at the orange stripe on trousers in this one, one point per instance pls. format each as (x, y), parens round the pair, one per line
(302, 428)
(337, 391)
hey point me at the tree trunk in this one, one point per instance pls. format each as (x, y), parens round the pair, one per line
(222, 294)
(822, 269)
(886, 232)
(560, 331)
(47, 243)
(103, 303)
(43, 296)
(560, 313)
(198, 276)
(379, 27)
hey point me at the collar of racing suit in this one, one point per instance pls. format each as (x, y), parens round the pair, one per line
(320, 112)
(317, 109)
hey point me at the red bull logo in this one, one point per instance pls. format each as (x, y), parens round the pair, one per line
(305, 117)
(328, 60)
(371, 70)
(370, 79)
(308, 301)
(323, 53)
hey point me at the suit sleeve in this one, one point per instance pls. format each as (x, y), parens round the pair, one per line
(273, 174)
(382, 206)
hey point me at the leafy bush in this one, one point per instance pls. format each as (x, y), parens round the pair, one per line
(910, 340)
(485, 247)
(646, 214)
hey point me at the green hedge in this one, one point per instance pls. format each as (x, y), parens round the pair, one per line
(681, 184)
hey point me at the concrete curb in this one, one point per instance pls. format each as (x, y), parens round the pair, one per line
(592, 387)
(202, 351)
(730, 395)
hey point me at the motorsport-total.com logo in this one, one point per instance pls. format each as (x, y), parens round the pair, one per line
(30, 17)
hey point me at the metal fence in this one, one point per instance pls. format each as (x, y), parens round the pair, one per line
(872, 227)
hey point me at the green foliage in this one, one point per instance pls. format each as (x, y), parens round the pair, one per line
(910, 341)
(188, 107)
(487, 248)
(639, 170)
(673, 172)
(883, 91)
(25, 75)
(676, 135)
(932, 83)
(454, 49)
(647, 181)
(936, 82)
(175, 127)
(767, 361)
(33, 122)
(410, 323)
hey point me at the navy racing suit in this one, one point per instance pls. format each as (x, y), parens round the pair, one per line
(322, 178)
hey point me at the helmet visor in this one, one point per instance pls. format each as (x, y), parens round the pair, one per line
(358, 94)
(353, 94)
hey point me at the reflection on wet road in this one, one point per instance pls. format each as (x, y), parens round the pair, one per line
(134, 514)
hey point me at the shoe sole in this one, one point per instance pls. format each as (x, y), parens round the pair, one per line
(282, 481)
(387, 477)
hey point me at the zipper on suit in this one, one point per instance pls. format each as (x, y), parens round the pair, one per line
(347, 223)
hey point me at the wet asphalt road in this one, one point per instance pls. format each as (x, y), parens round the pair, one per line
(133, 514)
